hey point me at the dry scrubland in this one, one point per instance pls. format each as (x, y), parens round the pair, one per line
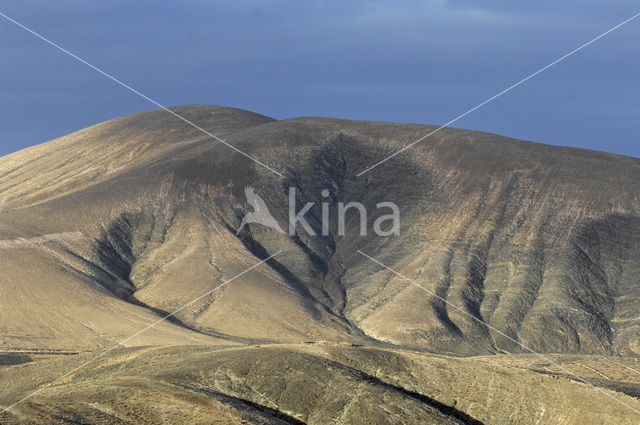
(103, 230)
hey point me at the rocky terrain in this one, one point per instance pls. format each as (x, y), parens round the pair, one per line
(320, 384)
(104, 231)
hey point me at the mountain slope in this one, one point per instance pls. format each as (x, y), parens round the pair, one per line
(541, 242)
(104, 150)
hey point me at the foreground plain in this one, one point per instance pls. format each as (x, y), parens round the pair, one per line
(321, 383)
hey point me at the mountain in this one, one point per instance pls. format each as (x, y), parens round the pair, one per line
(106, 230)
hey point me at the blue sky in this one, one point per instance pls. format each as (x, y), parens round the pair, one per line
(409, 61)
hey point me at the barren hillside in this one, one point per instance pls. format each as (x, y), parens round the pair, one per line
(541, 242)
(104, 231)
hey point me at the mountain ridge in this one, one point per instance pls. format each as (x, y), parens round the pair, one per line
(524, 236)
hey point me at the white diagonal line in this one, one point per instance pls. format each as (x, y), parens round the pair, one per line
(480, 105)
(136, 92)
(136, 334)
(40, 240)
(501, 333)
